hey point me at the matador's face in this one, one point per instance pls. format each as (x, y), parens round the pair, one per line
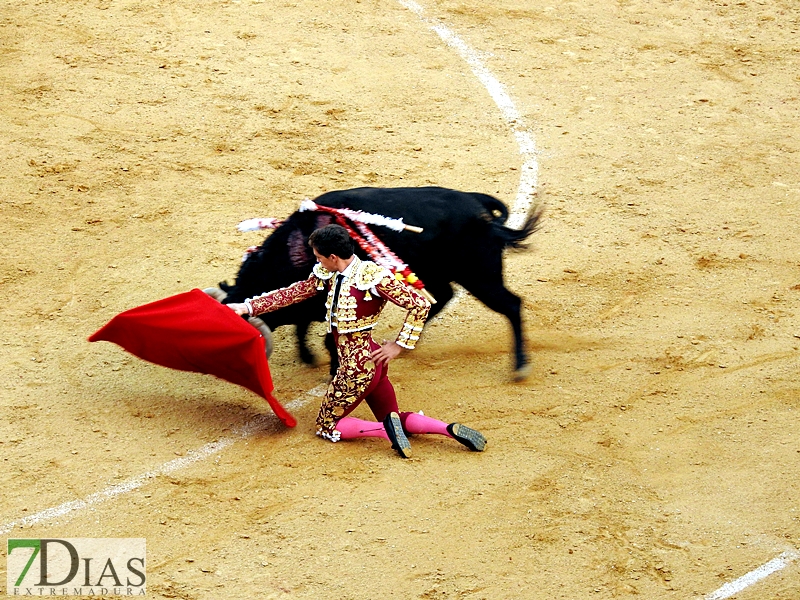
(329, 262)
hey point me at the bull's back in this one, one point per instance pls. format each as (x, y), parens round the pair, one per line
(452, 221)
(435, 206)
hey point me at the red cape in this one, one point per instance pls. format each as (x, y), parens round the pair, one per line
(193, 332)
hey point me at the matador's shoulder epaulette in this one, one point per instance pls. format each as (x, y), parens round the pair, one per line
(369, 274)
(321, 272)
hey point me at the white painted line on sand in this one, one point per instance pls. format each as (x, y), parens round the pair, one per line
(527, 146)
(260, 423)
(745, 581)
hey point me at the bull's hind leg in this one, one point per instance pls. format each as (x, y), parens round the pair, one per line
(494, 294)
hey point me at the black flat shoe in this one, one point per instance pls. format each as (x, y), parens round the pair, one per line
(394, 429)
(471, 438)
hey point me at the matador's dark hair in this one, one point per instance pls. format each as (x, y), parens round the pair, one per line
(332, 239)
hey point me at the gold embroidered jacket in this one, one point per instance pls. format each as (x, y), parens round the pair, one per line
(362, 296)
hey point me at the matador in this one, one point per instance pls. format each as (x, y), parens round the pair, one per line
(357, 290)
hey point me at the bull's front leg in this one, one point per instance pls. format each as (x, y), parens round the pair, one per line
(330, 345)
(302, 343)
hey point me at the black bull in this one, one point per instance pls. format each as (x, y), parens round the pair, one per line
(463, 238)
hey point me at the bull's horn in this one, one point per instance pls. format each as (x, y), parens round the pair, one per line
(265, 331)
(216, 293)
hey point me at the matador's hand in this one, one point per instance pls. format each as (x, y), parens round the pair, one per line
(239, 309)
(386, 352)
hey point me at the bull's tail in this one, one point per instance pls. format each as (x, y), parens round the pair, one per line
(515, 238)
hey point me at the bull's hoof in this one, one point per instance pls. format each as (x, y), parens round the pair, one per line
(265, 331)
(216, 293)
(308, 357)
(522, 372)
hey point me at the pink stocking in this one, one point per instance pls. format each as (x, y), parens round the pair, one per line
(351, 428)
(417, 423)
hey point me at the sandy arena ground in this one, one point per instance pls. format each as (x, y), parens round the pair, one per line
(654, 449)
